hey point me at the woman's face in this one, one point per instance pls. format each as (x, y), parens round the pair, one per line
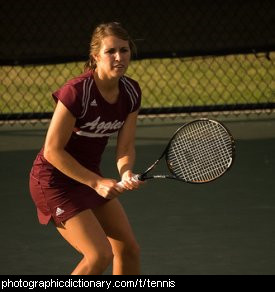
(113, 58)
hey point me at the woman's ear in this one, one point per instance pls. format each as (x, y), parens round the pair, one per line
(95, 57)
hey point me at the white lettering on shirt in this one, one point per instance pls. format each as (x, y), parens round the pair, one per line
(99, 128)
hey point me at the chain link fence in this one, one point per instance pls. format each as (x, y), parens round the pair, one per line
(193, 56)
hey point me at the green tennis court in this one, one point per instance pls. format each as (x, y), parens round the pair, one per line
(224, 227)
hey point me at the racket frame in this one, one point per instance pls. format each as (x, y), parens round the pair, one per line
(172, 175)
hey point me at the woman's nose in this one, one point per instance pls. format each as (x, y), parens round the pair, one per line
(118, 56)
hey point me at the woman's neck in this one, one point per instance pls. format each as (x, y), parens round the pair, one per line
(105, 83)
(109, 88)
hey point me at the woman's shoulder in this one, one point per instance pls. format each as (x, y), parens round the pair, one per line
(132, 91)
(129, 79)
(130, 83)
(76, 81)
(75, 93)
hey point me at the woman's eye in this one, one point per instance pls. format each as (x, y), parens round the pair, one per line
(111, 51)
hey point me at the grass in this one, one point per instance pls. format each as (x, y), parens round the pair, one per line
(164, 82)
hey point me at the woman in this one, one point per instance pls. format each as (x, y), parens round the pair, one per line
(65, 181)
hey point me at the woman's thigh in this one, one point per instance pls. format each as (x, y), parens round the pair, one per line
(84, 232)
(115, 223)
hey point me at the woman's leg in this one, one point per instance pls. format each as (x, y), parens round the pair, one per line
(114, 221)
(85, 234)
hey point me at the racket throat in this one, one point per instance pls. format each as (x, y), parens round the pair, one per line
(144, 175)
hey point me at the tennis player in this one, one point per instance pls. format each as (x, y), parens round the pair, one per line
(66, 184)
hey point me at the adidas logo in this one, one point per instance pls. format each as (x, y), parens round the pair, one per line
(93, 103)
(59, 211)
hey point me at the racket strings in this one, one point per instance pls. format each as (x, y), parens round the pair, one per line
(206, 168)
(197, 169)
(209, 159)
(200, 152)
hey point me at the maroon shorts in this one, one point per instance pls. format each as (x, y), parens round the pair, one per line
(60, 199)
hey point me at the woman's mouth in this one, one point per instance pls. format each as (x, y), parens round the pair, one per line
(119, 66)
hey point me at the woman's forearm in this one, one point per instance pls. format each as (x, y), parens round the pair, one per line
(65, 163)
(125, 161)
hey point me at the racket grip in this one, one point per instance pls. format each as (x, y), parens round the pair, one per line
(120, 186)
(135, 178)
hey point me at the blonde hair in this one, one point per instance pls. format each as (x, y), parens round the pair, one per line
(101, 31)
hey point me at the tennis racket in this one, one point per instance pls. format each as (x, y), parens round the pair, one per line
(199, 152)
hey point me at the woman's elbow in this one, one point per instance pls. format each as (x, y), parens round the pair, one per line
(49, 153)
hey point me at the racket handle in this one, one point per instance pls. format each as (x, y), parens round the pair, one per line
(135, 178)
(120, 186)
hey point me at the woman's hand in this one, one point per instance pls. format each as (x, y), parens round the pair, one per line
(129, 182)
(108, 188)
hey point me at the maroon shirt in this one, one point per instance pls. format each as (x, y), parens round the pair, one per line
(96, 119)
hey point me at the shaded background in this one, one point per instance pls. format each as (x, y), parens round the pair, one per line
(193, 55)
(174, 28)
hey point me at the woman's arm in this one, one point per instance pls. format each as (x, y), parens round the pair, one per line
(58, 135)
(125, 155)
